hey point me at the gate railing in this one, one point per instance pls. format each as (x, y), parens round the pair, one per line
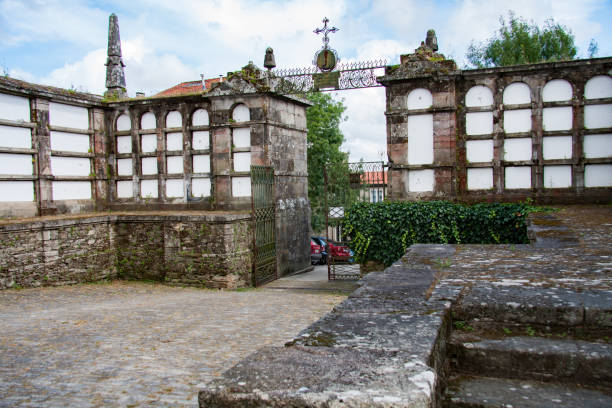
(264, 224)
(345, 184)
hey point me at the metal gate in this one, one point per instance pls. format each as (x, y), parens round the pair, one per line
(264, 224)
(346, 183)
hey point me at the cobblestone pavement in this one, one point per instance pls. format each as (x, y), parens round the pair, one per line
(129, 344)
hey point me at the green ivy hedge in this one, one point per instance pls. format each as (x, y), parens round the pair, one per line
(382, 232)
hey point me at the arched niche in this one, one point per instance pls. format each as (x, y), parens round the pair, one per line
(479, 95)
(123, 123)
(241, 113)
(517, 93)
(557, 90)
(420, 98)
(147, 121)
(200, 118)
(599, 86)
(174, 119)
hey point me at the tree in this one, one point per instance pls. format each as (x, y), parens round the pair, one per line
(324, 140)
(519, 42)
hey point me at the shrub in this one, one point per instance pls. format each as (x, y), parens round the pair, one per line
(382, 232)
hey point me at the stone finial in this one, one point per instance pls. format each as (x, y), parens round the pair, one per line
(431, 41)
(115, 77)
(269, 61)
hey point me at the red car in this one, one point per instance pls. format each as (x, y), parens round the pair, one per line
(316, 252)
(339, 252)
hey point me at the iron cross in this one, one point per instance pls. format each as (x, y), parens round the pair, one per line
(325, 31)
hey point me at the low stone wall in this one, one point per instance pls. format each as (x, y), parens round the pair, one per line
(203, 249)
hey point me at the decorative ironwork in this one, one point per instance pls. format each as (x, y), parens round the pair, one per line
(264, 224)
(352, 75)
(346, 183)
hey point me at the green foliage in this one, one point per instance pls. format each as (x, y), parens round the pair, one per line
(324, 140)
(382, 232)
(519, 42)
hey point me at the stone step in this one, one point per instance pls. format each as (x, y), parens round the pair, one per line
(544, 359)
(487, 392)
(536, 305)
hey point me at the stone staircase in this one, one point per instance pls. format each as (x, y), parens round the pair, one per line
(530, 347)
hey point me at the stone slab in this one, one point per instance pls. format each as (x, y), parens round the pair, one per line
(321, 377)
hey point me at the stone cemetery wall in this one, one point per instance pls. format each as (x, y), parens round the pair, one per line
(540, 131)
(211, 250)
(47, 150)
(68, 152)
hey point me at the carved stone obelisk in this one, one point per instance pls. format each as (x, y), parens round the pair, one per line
(115, 77)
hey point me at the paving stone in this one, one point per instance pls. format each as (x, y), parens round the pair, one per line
(136, 344)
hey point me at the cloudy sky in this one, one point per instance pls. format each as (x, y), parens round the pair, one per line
(164, 42)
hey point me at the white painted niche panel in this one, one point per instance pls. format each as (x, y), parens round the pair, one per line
(200, 118)
(147, 121)
(174, 141)
(516, 121)
(242, 137)
(478, 151)
(125, 189)
(517, 177)
(70, 142)
(200, 187)
(599, 86)
(559, 118)
(13, 191)
(70, 166)
(557, 176)
(124, 144)
(174, 119)
(597, 146)
(124, 167)
(557, 90)
(11, 136)
(420, 139)
(68, 116)
(557, 147)
(148, 189)
(124, 123)
(420, 98)
(241, 113)
(174, 164)
(598, 116)
(201, 140)
(174, 188)
(517, 149)
(201, 163)
(480, 178)
(16, 108)
(421, 180)
(241, 186)
(242, 161)
(20, 164)
(148, 143)
(71, 190)
(517, 93)
(479, 123)
(149, 165)
(598, 175)
(479, 96)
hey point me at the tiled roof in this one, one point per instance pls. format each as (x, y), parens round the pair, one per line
(189, 87)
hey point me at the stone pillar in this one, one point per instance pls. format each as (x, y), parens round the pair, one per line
(42, 140)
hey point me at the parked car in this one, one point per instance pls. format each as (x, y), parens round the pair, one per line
(339, 252)
(321, 242)
(316, 252)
